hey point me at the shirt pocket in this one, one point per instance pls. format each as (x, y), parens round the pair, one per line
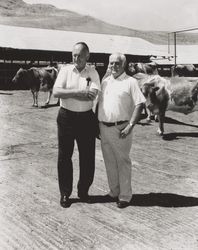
(83, 83)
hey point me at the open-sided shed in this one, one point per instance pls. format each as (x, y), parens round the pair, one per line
(33, 46)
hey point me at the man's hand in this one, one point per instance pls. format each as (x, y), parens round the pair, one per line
(134, 119)
(124, 132)
(86, 95)
(92, 95)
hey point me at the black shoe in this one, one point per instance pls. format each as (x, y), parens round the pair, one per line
(122, 204)
(65, 201)
(85, 198)
(109, 198)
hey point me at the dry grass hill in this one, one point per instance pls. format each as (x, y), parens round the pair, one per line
(19, 13)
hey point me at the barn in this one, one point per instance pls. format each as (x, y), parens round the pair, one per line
(163, 211)
(20, 46)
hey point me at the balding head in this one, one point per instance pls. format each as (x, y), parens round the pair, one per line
(121, 57)
(80, 55)
(117, 63)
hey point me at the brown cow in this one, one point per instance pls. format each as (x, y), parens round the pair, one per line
(37, 79)
(176, 94)
(142, 80)
(146, 68)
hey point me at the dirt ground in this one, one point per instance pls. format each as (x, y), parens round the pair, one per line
(164, 209)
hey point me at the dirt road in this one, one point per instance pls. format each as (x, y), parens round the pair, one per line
(164, 209)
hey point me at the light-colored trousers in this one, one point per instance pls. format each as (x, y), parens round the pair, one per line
(115, 152)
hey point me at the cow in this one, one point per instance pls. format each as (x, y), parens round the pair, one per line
(176, 94)
(146, 68)
(187, 70)
(142, 79)
(37, 79)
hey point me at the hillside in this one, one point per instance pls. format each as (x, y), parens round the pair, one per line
(18, 13)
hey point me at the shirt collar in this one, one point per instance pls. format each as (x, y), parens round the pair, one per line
(75, 69)
(120, 77)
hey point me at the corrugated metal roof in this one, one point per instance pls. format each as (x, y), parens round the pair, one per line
(45, 39)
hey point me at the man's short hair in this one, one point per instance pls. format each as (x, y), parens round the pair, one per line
(85, 46)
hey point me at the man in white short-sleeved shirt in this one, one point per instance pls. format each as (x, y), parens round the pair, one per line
(120, 105)
(77, 86)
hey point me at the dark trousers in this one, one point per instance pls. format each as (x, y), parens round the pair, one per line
(79, 127)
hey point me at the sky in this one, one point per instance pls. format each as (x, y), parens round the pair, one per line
(158, 15)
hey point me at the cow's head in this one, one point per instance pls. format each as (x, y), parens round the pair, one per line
(149, 91)
(139, 68)
(131, 68)
(19, 77)
(156, 97)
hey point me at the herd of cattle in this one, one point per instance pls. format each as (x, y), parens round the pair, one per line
(176, 93)
(188, 70)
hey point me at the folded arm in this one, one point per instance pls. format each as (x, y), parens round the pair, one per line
(86, 95)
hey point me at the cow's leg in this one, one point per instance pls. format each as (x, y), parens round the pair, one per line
(35, 98)
(161, 118)
(149, 115)
(48, 97)
(156, 118)
(144, 110)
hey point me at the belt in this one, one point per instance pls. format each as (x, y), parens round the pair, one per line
(76, 112)
(110, 124)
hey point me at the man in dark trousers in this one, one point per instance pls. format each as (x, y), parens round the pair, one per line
(77, 85)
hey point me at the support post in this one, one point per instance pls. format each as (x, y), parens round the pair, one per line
(175, 49)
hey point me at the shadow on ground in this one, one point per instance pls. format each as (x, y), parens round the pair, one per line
(49, 106)
(5, 93)
(94, 199)
(175, 136)
(168, 120)
(173, 121)
(151, 199)
(163, 200)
